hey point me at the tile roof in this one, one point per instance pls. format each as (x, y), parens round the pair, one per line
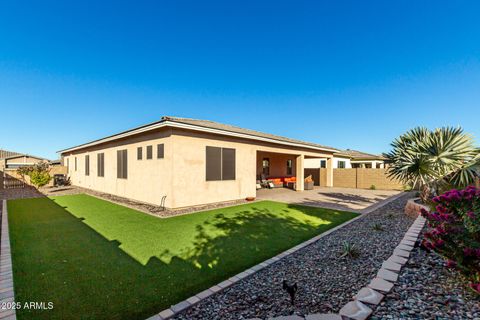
(231, 128)
(359, 155)
(201, 124)
(6, 154)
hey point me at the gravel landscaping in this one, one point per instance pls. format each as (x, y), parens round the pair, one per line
(325, 281)
(427, 290)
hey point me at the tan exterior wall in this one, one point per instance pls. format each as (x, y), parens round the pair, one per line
(181, 175)
(147, 180)
(363, 178)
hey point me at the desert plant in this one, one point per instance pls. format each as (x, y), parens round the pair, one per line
(454, 231)
(432, 160)
(372, 187)
(377, 227)
(349, 249)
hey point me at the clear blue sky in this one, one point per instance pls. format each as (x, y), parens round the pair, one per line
(350, 74)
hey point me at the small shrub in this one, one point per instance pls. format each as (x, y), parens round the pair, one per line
(377, 227)
(390, 216)
(372, 187)
(39, 174)
(454, 231)
(40, 178)
(349, 249)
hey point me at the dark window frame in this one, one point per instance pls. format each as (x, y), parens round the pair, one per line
(341, 164)
(160, 151)
(289, 167)
(266, 169)
(220, 164)
(139, 153)
(122, 164)
(149, 153)
(75, 163)
(87, 165)
(101, 164)
(323, 163)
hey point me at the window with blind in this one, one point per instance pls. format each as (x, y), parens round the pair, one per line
(220, 164)
(122, 164)
(139, 153)
(149, 152)
(87, 165)
(266, 166)
(341, 164)
(75, 163)
(160, 151)
(289, 167)
(101, 164)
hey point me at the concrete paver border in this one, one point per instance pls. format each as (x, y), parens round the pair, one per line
(6, 271)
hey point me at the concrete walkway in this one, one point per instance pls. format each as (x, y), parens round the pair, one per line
(356, 200)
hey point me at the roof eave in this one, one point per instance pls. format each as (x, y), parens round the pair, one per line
(175, 124)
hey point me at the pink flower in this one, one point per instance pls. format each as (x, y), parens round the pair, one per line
(451, 264)
(439, 243)
(441, 209)
(475, 286)
(469, 252)
(427, 245)
(471, 214)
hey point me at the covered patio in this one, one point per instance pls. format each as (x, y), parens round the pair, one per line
(285, 170)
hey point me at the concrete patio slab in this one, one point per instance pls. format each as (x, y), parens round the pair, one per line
(347, 199)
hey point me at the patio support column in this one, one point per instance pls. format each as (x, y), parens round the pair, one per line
(299, 185)
(330, 172)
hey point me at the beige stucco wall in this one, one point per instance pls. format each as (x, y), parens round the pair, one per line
(148, 180)
(181, 175)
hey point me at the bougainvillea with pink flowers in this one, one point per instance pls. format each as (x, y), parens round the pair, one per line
(454, 231)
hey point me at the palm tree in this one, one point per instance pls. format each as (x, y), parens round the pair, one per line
(431, 159)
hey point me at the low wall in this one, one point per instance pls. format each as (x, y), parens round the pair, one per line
(359, 178)
(412, 208)
(53, 171)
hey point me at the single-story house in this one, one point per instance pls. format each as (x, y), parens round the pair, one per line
(190, 162)
(348, 159)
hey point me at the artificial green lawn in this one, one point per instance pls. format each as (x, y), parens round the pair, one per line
(96, 259)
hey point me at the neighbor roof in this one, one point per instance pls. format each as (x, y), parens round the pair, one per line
(208, 126)
(5, 154)
(359, 155)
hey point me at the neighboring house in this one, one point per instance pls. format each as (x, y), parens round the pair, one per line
(349, 159)
(190, 162)
(13, 160)
(5, 154)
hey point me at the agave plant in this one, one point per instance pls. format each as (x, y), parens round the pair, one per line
(349, 249)
(432, 159)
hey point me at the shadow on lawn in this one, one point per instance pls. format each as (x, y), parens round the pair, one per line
(59, 258)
